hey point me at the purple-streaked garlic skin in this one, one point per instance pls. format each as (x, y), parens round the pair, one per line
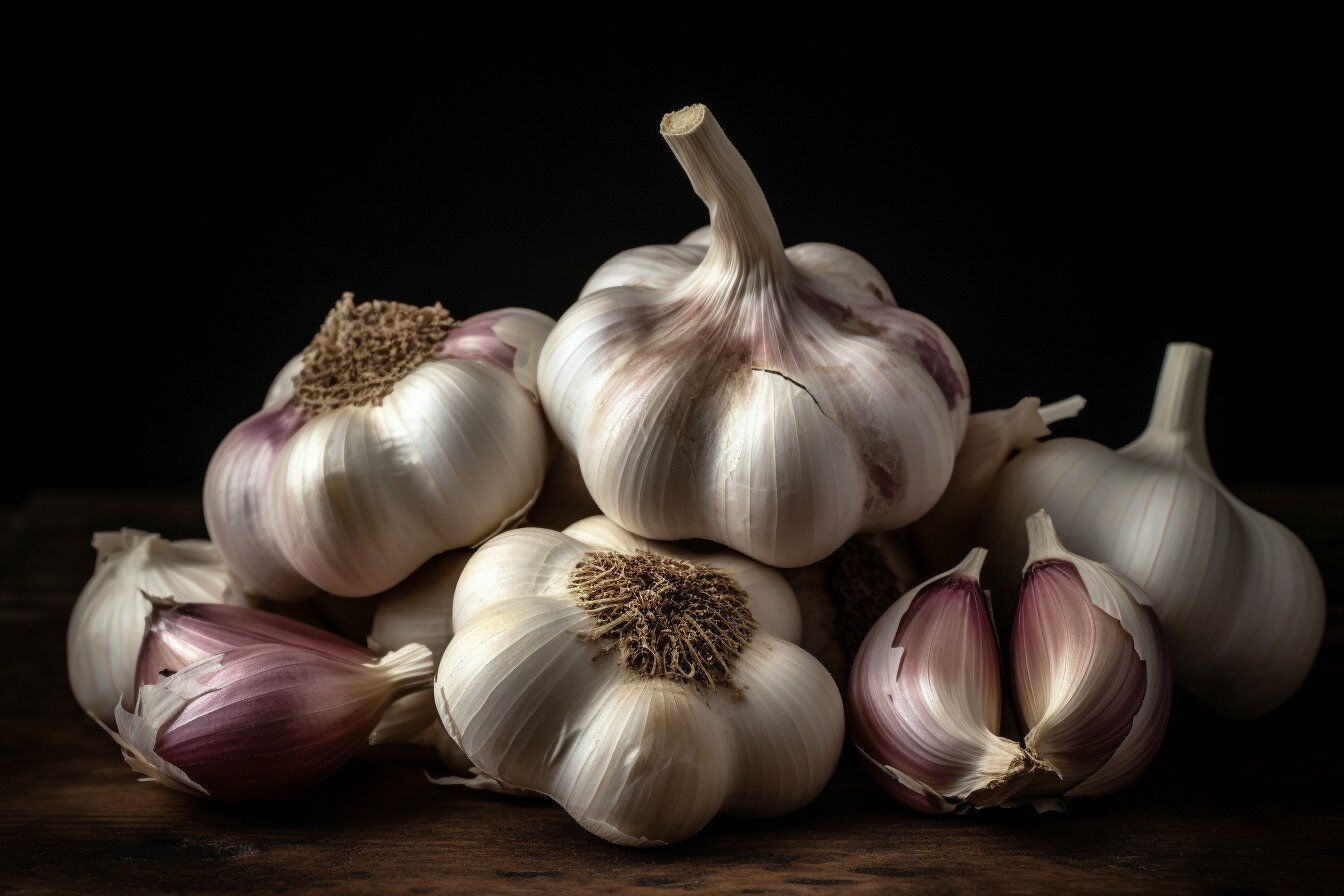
(267, 721)
(1091, 677)
(181, 634)
(924, 697)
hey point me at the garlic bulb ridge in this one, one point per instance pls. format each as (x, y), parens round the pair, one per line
(775, 401)
(108, 622)
(397, 434)
(645, 687)
(1240, 600)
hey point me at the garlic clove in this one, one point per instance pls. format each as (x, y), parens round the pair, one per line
(1240, 599)
(178, 635)
(1090, 671)
(262, 722)
(924, 699)
(948, 531)
(736, 391)
(108, 620)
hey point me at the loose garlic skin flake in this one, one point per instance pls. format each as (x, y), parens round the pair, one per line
(350, 498)
(539, 701)
(775, 401)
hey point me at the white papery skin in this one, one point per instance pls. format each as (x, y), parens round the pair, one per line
(776, 401)
(355, 499)
(636, 760)
(1240, 599)
(419, 611)
(1091, 676)
(948, 531)
(108, 621)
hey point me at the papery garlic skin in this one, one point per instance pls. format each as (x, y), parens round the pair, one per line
(1091, 676)
(178, 635)
(948, 531)
(925, 700)
(108, 621)
(775, 401)
(354, 499)
(419, 610)
(637, 760)
(1240, 600)
(217, 727)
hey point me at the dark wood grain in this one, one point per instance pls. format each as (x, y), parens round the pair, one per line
(1232, 807)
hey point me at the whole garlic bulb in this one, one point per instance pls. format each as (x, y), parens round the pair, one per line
(1240, 599)
(645, 687)
(948, 531)
(396, 435)
(109, 618)
(775, 401)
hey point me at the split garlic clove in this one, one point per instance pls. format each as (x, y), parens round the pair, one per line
(217, 727)
(733, 390)
(1240, 599)
(178, 635)
(644, 687)
(1090, 671)
(426, 439)
(948, 531)
(108, 621)
(925, 700)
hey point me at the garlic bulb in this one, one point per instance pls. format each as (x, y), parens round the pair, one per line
(178, 635)
(217, 727)
(108, 621)
(775, 401)
(419, 610)
(1241, 602)
(1091, 676)
(645, 687)
(397, 434)
(842, 596)
(948, 531)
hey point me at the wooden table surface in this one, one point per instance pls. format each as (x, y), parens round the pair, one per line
(1231, 807)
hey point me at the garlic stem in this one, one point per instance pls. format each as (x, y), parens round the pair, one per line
(1042, 541)
(1176, 425)
(410, 669)
(745, 249)
(1063, 409)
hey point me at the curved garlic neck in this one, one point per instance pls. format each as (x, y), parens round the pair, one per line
(1042, 541)
(1176, 425)
(746, 255)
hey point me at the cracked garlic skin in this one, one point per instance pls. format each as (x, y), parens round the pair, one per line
(645, 687)
(1240, 599)
(398, 434)
(775, 401)
(107, 624)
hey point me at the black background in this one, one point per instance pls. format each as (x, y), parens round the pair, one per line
(191, 204)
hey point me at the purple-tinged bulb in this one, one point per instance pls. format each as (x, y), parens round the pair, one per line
(266, 721)
(181, 634)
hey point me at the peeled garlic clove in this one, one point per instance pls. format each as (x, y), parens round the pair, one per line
(1239, 597)
(775, 401)
(948, 531)
(1090, 671)
(419, 610)
(644, 687)
(178, 635)
(217, 727)
(427, 438)
(108, 621)
(925, 703)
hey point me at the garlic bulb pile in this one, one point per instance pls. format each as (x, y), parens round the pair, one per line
(108, 621)
(217, 727)
(1090, 676)
(644, 687)
(775, 401)
(948, 531)
(1240, 599)
(397, 434)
